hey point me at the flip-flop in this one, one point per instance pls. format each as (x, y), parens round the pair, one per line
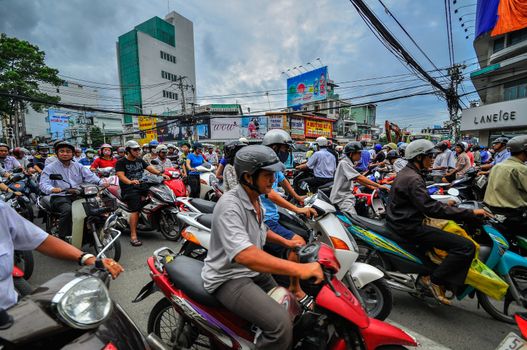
(307, 302)
(136, 243)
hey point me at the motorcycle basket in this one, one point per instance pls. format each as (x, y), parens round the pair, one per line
(103, 205)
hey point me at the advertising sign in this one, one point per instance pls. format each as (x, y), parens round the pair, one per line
(254, 127)
(148, 126)
(171, 131)
(308, 87)
(225, 128)
(59, 122)
(316, 128)
(495, 115)
(297, 128)
(278, 122)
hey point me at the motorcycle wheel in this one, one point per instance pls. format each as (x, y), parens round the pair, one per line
(163, 322)
(24, 260)
(368, 255)
(114, 252)
(22, 287)
(169, 225)
(377, 297)
(504, 310)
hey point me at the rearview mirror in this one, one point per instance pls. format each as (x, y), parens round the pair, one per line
(55, 177)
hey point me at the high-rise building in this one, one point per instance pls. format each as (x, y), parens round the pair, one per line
(157, 67)
(501, 81)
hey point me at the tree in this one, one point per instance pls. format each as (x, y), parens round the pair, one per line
(22, 69)
(97, 137)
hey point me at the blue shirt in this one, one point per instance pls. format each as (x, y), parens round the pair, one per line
(74, 173)
(224, 161)
(271, 210)
(86, 161)
(322, 163)
(364, 160)
(195, 161)
(500, 157)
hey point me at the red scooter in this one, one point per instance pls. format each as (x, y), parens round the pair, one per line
(176, 183)
(189, 315)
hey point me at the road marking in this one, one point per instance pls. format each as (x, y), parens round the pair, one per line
(424, 342)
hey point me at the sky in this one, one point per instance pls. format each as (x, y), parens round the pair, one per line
(245, 45)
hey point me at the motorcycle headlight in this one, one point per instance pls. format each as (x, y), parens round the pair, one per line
(83, 303)
(89, 190)
(174, 174)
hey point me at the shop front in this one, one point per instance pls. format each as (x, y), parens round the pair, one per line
(490, 121)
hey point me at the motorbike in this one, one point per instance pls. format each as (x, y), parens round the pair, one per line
(22, 202)
(470, 186)
(175, 183)
(50, 316)
(198, 319)
(158, 208)
(108, 173)
(365, 281)
(401, 261)
(94, 220)
(209, 183)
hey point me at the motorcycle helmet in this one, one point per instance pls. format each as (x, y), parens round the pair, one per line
(4, 145)
(161, 148)
(197, 145)
(122, 149)
(231, 148)
(153, 143)
(391, 146)
(169, 146)
(353, 147)
(378, 147)
(517, 144)
(64, 144)
(19, 152)
(442, 146)
(461, 145)
(392, 155)
(418, 148)
(322, 141)
(251, 159)
(503, 140)
(131, 145)
(277, 137)
(105, 145)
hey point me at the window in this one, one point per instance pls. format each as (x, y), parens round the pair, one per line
(499, 44)
(169, 76)
(168, 57)
(169, 94)
(514, 90)
(517, 36)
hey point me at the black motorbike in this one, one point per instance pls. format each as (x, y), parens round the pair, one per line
(19, 182)
(471, 186)
(72, 311)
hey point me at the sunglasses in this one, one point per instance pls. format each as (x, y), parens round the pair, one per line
(135, 149)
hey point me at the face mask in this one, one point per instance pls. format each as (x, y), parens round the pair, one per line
(283, 156)
(107, 152)
(89, 155)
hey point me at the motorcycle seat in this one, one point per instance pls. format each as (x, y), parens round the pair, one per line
(292, 223)
(326, 188)
(203, 205)
(378, 226)
(185, 273)
(205, 220)
(45, 202)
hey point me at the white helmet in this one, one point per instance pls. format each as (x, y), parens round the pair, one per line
(161, 148)
(244, 140)
(322, 141)
(419, 147)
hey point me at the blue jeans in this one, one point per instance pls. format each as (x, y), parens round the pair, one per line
(275, 249)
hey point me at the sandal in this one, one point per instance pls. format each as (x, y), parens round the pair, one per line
(307, 302)
(136, 242)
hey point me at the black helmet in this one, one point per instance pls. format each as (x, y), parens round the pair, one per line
(63, 144)
(501, 139)
(461, 145)
(442, 146)
(232, 147)
(197, 145)
(42, 146)
(251, 159)
(353, 147)
(392, 155)
(364, 143)
(517, 144)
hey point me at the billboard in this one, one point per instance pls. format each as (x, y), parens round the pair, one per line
(308, 87)
(225, 128)
(148, 127)
(172, 131)
(278, 122)
(297, 128)
(59, 122)
(253, 127)
(315, 128)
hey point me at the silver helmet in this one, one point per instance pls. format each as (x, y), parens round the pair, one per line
(419, 147)
(517, 144)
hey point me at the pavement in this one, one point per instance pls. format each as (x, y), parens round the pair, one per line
(459, 327)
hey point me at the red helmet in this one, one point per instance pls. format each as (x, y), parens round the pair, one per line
(18, 152)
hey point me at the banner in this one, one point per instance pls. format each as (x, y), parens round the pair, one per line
(316, 128)
(278, 122)
(170, 131)
(297, 128)
(59, 122)
(254, 127)
(307, 87)
(148, 127)
(225, 128)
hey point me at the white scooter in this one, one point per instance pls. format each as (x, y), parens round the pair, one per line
(364, 280)
(208, 181)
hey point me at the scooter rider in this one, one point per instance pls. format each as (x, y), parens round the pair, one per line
(162, 158)
(73, 175)
(106, 160)
(152, 145)
(130, 170)
(506, 192)
(9, 163)
(39, 160)
(500, 154)
(237, 270)
(323, 164)
(19, 234)
(342, 190)
(410, 203)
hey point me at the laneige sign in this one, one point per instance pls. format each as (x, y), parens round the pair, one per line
(496, 115)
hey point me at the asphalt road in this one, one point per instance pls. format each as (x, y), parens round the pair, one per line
(462, 326)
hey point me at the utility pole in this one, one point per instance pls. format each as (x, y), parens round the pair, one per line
(452, 97)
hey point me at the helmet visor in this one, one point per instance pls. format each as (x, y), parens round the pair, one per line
(273, 166)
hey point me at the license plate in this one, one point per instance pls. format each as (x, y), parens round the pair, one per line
(512, 342)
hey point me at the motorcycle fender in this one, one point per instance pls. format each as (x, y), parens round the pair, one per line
(147, 290)
(78, 214)
(343, 303)
(379, 333)
(201, 235)
(362, 274)
(508, 261)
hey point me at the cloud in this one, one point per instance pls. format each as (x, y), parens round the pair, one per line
(243, 46)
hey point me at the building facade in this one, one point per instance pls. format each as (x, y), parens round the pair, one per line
(157, 67)
(501, 81)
